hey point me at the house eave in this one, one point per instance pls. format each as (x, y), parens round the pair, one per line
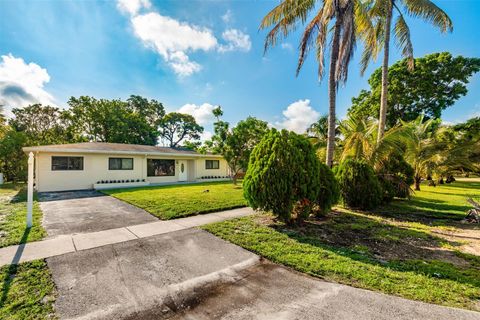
(46, 149)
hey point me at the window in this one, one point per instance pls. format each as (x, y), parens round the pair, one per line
(212, 164)
(120, 163)
(67, 163)
(160, 167)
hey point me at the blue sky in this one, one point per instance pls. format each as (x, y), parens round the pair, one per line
(191, 55)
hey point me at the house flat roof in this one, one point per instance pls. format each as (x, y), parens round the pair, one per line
(115, 148)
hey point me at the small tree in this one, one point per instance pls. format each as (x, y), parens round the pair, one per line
(359, 186)
(284, 175)
(236, 144)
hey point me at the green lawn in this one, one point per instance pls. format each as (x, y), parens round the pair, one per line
(13, 215)
(394, 250)
(174, 201)
(27, 291)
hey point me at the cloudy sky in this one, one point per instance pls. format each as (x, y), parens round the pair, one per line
(191, 56)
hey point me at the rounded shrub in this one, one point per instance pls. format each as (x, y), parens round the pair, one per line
(359, 186)
(286, 177)
(396, 176)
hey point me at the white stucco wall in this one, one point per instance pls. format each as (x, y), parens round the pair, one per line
(202, 171)
(95, 168)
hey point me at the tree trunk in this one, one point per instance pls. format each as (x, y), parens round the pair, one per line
(332, 93)
(382, 119)
(417, 183)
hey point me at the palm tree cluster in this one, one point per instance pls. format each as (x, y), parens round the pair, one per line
(345, 22)
(432, 149)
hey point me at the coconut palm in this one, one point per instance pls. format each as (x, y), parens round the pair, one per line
(349, 18)
(429, 153)
(384, 11)
(360, 140)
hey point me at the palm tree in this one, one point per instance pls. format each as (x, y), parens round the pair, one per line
(383, 10)
(360, 141)
(351, 19)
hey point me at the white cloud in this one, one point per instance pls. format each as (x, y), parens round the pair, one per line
(235, 40)
(286, 46)
(22, 84)
(228, 16)
(173, 40)
(132, 6)
(298, 116)
(202, 113)
(206, 135)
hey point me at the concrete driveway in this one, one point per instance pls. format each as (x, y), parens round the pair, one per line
(87, 211)
(191, 274)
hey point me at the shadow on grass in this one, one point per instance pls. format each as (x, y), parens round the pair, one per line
(423, 210)
(401, 249)
(11, 270)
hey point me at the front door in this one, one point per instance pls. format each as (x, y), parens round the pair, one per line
(183, 173)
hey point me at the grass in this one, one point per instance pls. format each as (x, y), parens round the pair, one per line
(394, 250)
(27, 291)
(13, 213)
(175, 201)
(441, 204)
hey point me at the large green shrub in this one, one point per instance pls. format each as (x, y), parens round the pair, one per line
(396, 177)
(359, 186)
(285, 176)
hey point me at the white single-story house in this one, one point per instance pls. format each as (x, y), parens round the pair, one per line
(99, 165)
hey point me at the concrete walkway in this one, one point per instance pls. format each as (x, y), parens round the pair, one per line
(82, 241)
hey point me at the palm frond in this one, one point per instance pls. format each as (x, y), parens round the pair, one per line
(403, 41)
(284, 19)
(429, 11)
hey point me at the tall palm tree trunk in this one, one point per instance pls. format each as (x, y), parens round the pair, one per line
(332, 92)
(386, 51)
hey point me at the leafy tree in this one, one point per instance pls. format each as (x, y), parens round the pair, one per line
(348, 18)
(134, 121)
(286, 177)
(384, 11)
(175, 127)
(359, 186)
(437, 81)
(470, 129)
(13, 160)
(41, 124)
(236, 144)
(432, 150)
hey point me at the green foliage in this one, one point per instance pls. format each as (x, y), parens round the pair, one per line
(41, 124)
(236, 144)
(329, 194)
(436, 82)
(359, 186)
(176, 127)
(133, 121)
(396, 177)
(284, 176)
(13, 160)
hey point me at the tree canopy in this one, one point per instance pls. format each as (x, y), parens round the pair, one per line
(134, 121)
(176, 127)
(237, 143)
(435, 83)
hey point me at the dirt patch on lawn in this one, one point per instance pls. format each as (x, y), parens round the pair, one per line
(380, 239)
